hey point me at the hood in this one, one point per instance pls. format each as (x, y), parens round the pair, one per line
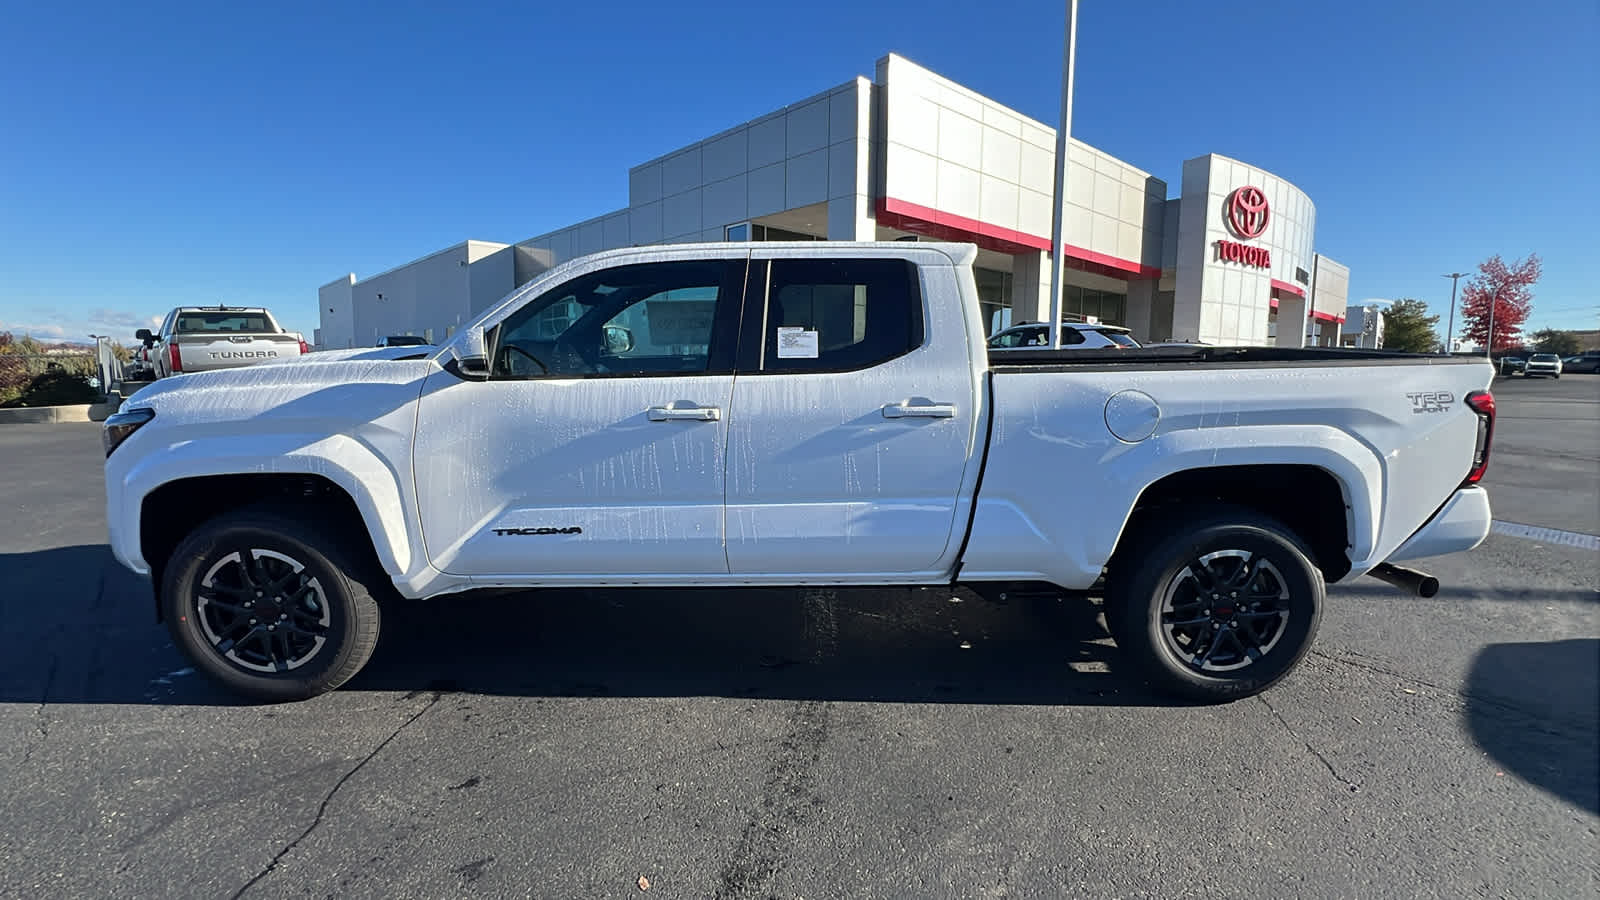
(353, 389)
(361, 353)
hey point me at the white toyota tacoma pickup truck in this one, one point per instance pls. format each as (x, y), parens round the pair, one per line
(789, 414)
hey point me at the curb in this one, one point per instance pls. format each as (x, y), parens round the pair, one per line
(51, 415)
(45, 415)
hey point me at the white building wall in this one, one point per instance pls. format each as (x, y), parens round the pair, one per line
(806, 154)
(336, 310)
(431, 296)
(1223, 301)
(1362, 327)
(491, 274)
(954, 152)
(1329, 298)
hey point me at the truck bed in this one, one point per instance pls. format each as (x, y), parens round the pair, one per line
(1209, 357)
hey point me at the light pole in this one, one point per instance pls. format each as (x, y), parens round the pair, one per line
(1449, 332)
(1058, 240)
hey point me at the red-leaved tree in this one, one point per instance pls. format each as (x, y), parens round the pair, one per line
(1508, 290)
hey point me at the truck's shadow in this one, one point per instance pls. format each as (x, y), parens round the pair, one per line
(80, 629)
(1535, 708)
(911, 645)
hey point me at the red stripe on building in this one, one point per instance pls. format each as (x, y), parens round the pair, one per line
(1286, 287)
(949, 226)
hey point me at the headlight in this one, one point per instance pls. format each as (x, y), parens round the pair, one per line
(123, 424)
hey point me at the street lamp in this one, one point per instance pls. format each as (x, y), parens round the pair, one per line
(1449, 333)
(1058, 242)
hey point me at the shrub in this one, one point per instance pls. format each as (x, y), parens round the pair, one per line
(56, 388)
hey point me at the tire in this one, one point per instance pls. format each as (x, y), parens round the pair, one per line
(329, 615)
(1187, 645)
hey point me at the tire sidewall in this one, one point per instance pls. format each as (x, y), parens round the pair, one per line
(201, 550)
(1170, 557)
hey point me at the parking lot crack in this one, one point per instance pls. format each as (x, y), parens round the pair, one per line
(41, 723)
(787, 802)
(322, 809)
(1354, 788)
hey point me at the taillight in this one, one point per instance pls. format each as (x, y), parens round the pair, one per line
(1482, 403)
(304, 347)
(172, 357)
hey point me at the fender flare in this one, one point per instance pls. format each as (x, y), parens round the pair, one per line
(349, 464)
(1353, 465)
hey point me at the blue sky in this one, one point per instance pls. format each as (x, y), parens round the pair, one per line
(159, 154)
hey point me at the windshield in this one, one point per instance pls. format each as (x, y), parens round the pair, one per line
(1543, 357)
(223, 323)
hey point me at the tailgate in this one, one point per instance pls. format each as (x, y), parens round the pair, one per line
(203, 352)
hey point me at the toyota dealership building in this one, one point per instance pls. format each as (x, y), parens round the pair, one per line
(906, 155)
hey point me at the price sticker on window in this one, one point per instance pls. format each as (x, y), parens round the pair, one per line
(795, 342)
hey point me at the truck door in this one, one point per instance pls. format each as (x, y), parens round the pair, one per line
(595, 448)
(852, 428)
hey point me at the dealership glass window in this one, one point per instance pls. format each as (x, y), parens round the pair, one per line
(739, 232)
(1104, 306)
(994, 297)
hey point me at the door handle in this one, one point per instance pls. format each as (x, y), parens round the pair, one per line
(689, 414)
(928, 411)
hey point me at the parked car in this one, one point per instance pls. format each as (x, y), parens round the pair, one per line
(790, 414)
(1584, 362)
(402, 340)
(1510, 365)
(1074, 335)
(139, 367)
(202, 338)
(1542, 364)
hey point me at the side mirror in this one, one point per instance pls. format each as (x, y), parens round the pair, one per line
(618, 339)
(144, 334)
(472, 354)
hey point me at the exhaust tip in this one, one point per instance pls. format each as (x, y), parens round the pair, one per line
(1420, 584)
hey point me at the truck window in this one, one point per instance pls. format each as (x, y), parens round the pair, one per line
(652, 319)
(838, 315)
(223, 323)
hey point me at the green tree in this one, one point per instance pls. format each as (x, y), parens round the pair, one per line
(1561, 343)
(1407, 327)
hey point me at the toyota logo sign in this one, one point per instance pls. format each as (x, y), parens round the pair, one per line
(1247, 212)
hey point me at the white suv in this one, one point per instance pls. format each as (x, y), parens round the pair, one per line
(1542, 364)
(1074, 336)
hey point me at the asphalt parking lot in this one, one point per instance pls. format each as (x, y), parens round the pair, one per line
(873, 743)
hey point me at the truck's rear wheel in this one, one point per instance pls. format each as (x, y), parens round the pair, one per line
(1216, 608)
(273, 607)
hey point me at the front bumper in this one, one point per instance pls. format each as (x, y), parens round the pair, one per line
(1460, 525)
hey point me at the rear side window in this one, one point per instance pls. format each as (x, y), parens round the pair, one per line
(221, 323)
(1117, 337)
(838, 315)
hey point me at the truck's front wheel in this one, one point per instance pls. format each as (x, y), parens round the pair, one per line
(274, 607)
(1216, 608)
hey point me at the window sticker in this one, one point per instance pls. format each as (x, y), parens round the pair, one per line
(795, 342)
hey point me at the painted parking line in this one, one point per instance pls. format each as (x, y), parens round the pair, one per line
(1546, 535)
